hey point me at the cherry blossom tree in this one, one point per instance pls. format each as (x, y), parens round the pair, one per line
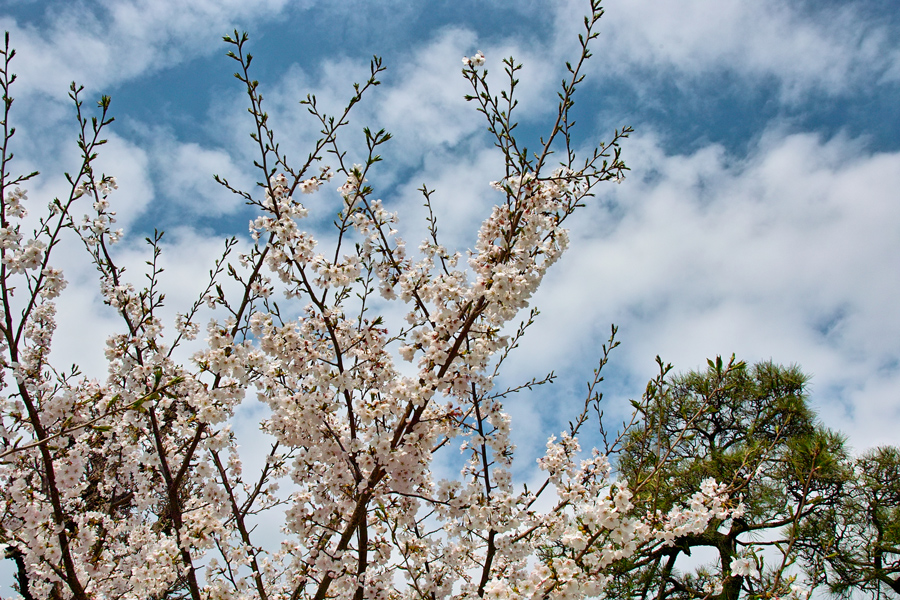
(132, 487)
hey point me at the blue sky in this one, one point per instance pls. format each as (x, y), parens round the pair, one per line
(761, 215)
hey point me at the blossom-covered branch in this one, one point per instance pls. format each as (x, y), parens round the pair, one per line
(134, 488)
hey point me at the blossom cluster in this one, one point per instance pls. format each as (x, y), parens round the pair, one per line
(475, 61)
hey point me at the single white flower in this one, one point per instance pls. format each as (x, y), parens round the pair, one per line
(743, 567)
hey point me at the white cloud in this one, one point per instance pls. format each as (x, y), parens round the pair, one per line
(101, 44)
(425, 107)
(462, 197)
(788, 254)
(129, 164)
(800, 46)
(186, 170)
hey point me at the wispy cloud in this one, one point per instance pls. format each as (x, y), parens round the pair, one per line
(801, 47)
(100, 44)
